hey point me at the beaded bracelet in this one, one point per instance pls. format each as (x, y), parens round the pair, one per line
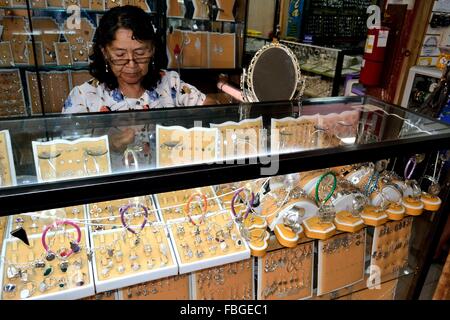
(74, 245)
(249, 205)
(204, 208)
(124, 210)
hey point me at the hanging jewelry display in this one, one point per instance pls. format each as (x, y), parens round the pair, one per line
(177, 145)
(39, 53)
(59, 269)
(201, 9)
(228, 282)
(340, 261)
(349, 203)
(47, 32)
(63, 54)
(240, 139)
(6, 57)
(120, 261)
(7, 169)
(80, 40)
(293, 134)
(287, 274)
(390, 247)
(107, 215)
(322, 226)
(63, 159)
(171, 204)
(225, 11)
(430, 199)
(11, 91)
(413, 202)
(15, 30)
(171, 288)
(175, 9)
(222, 50)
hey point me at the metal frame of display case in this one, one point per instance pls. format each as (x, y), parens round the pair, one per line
(118, 186)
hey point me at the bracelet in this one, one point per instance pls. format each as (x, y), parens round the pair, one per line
(249, 206)
(126, 154)
(73, 245)
(332, 189)
(204, 208)
(369, 189)
(408, 173)
(125, 209)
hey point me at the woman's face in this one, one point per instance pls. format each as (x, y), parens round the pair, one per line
(128, 58)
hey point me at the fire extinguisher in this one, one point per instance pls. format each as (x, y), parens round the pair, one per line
(374, 55)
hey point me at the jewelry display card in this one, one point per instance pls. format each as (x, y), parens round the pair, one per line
(63, 159)
(214, 242)
(7, 169)
(225, 10)
(232, 281)
(341, 261)
(39, 3)
(240, 139)
(34, 272)
(386, 291)
(121, 261)
(109, 4)
(11, 91)
(6, 58)
(107, 216)
(55, 90)
(195, 49)
(286, 274)
(175, 9)
(15, 31)
(18, 3)
(97, 5)
(55, 3)
(174, 39)
(201, 10)
(171, 288)
(222, 50)
(294, 134)
(63, 54)
(171, 205)
(47, 33)
(39, 53)
(68, 3)
(177, 145)
(80, 40)
(390, 246)
(79, 77)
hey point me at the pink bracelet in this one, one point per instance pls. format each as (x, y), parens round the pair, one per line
(74, 245)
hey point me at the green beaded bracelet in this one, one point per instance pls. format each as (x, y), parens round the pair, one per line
(332, 189)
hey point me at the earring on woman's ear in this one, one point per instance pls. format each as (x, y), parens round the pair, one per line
(106, 67)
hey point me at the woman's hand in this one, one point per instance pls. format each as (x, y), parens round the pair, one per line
(120, 141)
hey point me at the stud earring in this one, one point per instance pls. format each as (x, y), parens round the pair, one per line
(106, 68)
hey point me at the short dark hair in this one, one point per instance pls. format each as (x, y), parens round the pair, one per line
(139, 22)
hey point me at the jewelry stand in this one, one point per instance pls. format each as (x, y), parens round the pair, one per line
(171, 288)
(287, 274)
(226, 12)
(175, 9)
(63, 159)
(390, 246)
(228, 282)
(374, 216)
(119, 262)
(177, 145)
(241, 139)
(201, 10)
(341, 261)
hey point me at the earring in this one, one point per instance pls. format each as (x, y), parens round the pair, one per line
(106, 67)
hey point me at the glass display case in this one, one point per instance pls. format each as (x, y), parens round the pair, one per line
(325, 68)
(296, 197)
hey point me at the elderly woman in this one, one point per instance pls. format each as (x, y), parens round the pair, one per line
(126, 66)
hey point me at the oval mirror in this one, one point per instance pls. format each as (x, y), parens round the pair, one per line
(273, 75)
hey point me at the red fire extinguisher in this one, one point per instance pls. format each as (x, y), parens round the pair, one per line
(374, 54)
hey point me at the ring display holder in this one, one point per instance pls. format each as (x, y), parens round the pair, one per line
(28, 273)
(63, 159)
(118, 262)
(215, 242)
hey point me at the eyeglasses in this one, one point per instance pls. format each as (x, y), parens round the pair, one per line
(122, 62)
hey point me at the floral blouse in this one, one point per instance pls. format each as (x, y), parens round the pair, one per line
(170, 92)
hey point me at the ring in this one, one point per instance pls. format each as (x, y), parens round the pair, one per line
(56, 224)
